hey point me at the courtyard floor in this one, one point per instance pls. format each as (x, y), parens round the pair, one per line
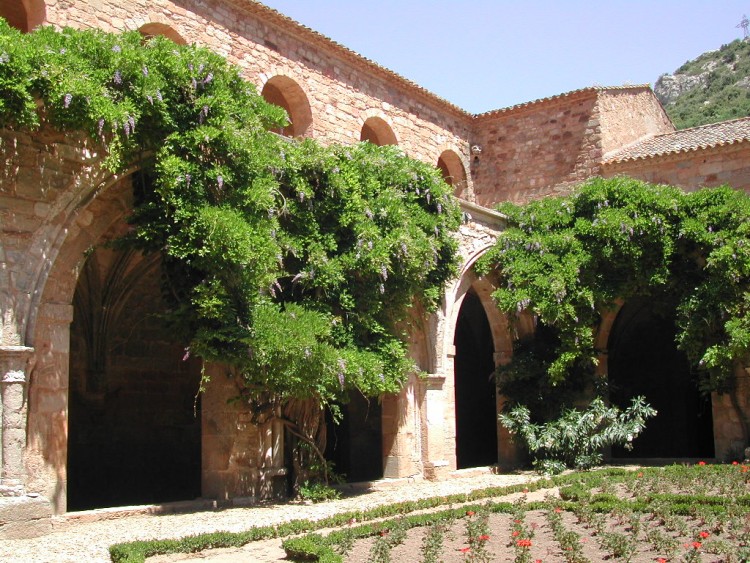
(86, 536)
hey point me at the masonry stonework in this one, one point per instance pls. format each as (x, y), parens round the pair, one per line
(57, 203)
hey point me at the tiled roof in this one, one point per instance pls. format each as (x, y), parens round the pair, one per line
(686, 140)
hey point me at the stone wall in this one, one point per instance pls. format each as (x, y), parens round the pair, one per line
(692, 170)
(629, 114)
(343, 89)
(536, 150)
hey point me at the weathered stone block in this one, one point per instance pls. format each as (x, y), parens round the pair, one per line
(24, 517)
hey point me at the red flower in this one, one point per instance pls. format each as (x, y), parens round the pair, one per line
(523, 543)
(525, 491)
(516, 533)
(735, 462)
(465, 549)
(538, 561)
(483, 537)
(661, 560)
(470, 513)
(696, 545)
(704, 535)
(640, 474)
(701, 463)
(745, 468)
(558, 509)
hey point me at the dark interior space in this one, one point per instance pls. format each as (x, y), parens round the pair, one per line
(644, 360)
(354, 445)
(476, 405)
(134, 424)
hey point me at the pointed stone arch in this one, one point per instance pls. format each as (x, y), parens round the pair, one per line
(454, 173)
(24, 15)
(285, 92)
(378, 131)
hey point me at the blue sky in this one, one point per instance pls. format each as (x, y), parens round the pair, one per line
(483, 54)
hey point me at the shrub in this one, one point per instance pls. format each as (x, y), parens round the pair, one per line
(576, 438)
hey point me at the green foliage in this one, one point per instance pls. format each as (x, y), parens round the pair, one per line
(576, 438)
(294, 263)
(566, 259)
(722, 92)
(318, 492)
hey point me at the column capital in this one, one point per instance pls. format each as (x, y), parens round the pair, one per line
(433, 381)
(13, 363)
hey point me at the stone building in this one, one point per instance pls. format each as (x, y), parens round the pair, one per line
(98, 408)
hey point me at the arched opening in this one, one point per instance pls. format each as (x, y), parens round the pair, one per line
(134, 427)
(153, 29)
(24, 15)
(644, 360)
(354, 445)
(453, 172)
(378, 132)
(476, 403)
(286, 93)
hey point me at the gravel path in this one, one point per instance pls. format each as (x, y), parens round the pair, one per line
(86, 537)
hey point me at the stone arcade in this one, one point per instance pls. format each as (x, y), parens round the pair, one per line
(95, 392)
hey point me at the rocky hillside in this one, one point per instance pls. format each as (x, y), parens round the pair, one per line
(713, 87)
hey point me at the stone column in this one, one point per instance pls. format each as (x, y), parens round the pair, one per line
(435, 465)
(13, 379)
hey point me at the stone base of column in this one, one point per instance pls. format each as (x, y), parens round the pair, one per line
(436, 470)
(24, 517)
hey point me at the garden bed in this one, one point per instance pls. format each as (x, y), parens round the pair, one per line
(679, 513)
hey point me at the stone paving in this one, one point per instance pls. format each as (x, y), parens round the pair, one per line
(86, 536)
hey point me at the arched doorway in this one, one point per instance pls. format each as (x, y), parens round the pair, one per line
(476, 403)
(644, 360)
(134, 424)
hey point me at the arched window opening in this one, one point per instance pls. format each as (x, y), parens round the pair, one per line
(284, 92)
(153, 29)
(453, 171)
(378, 132)
(24, 15)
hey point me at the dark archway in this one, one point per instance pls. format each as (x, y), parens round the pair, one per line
(355, 444)
(134, 427)
(644, 360)
(476, 403)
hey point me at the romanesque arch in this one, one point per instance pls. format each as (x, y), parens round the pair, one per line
(642, 359)
(377, 131)
(286, 93)
(454, 172)
(155, 28)
(24, 15)
(109, 391)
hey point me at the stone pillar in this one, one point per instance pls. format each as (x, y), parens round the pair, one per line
(434, 461)
(13, 379)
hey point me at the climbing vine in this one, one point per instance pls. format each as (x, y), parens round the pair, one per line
(294, 263)
(567, 259)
